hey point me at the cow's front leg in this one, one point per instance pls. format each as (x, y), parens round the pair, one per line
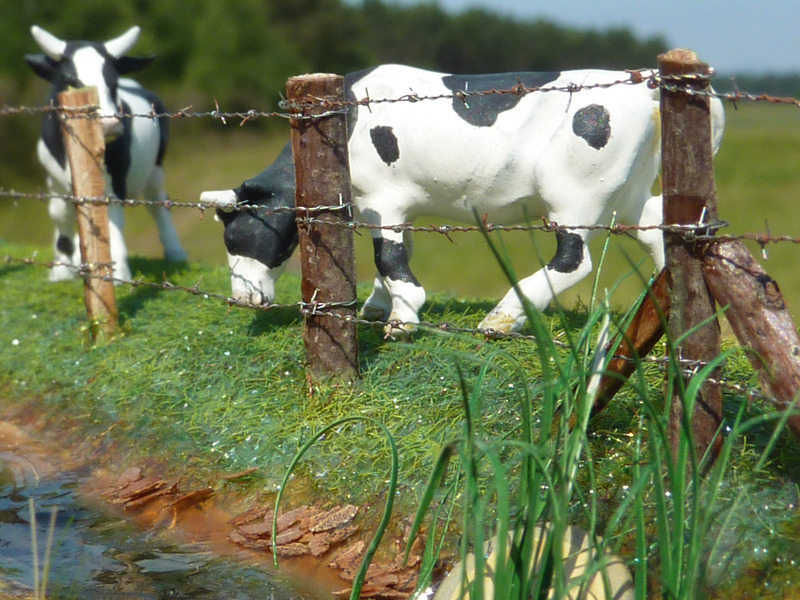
(396, 287)
(570, 264)
(66, 251)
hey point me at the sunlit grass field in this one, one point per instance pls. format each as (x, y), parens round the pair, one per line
(758, 188)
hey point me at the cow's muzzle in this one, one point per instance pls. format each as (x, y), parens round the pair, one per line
(224, 200)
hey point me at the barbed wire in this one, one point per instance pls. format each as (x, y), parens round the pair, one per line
(169, 203)
(697, 232)
(298, 110)
(734, 96)
(86, 271)
(89, 112)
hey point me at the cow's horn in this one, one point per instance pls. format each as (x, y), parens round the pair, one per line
(119, 46)
(222, 199)
(50, 44)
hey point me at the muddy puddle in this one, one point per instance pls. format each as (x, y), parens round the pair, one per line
(96, 553)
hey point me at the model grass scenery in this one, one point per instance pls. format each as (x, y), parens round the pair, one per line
(479, 443)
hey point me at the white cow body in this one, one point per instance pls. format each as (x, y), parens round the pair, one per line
(522, 166)
(447, 167)
(134, 145)
(581, 157)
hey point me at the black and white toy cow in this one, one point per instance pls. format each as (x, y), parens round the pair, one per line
(584, 157)
(135, 146)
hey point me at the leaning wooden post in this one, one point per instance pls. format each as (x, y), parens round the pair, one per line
(85, 146)
(327, 251)
(641, 336)
(760, 319)
(689, 199)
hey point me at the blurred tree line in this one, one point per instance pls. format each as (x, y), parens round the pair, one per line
(242, 52)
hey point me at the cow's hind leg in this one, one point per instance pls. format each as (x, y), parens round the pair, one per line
(173, 250)
(397, 296)
(570, 264)
(67, 244)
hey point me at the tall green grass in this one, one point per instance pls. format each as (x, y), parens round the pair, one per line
(40, 579)
(670, 518)
(386, 517)
(669, 522)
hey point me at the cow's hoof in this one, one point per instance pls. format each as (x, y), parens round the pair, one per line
(250, 298)
(499, 322)
(373, 313)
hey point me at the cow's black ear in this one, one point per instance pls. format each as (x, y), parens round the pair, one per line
(131, 64)
(44, 66)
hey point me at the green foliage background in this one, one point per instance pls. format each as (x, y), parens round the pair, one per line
(243, 51)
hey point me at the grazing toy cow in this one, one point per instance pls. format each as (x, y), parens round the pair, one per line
(576, 157)
(135, 146)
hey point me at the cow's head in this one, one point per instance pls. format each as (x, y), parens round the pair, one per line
(82, 64)
(259, 240)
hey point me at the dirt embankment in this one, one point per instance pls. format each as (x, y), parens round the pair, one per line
(315, 541)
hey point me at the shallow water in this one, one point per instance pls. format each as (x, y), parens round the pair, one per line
(96, 555)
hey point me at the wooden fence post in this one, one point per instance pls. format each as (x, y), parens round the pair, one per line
(327, 251)
(689, 199)
(85, 146)
(761, 321)
(641, 336)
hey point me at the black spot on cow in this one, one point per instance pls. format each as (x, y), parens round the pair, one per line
(64, 245)
(391, 258)
(482, 110)
(593, 124)
(385, 142)
(569, 252)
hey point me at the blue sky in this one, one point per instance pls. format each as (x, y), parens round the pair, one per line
(730, 35)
